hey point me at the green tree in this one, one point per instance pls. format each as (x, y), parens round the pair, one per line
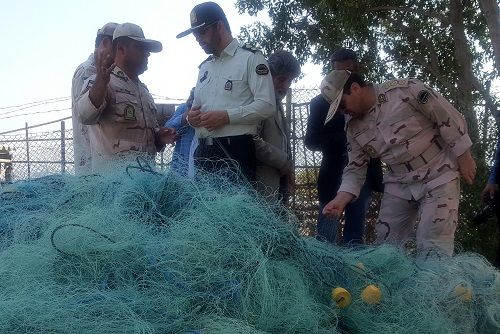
(444, 42)
(453, 45)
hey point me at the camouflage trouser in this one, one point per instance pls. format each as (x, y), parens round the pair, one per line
(437, 213)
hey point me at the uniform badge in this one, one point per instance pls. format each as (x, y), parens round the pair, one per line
(370, 150)
(228, 85)
(129, 114)
(423, 97)
(381, 98)
(193, 17)
(204, 77)
(261, 69)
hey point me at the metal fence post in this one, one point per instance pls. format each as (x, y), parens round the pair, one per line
(63, 147)
(27, 150)
(288, 104)
(291, 126)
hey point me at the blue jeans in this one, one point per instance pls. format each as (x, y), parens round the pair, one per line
(354, 215)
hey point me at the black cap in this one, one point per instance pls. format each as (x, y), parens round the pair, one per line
(203, 15)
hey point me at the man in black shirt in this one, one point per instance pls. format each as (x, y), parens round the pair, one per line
(330, 139)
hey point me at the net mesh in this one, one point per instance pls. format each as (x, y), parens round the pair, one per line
(135, 250)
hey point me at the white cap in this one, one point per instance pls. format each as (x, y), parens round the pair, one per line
(134, 32)
(332, 88)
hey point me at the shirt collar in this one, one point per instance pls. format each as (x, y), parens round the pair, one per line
(230, 49)
(119, 73)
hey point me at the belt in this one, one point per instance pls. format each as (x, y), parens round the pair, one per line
(418, 161)
(206, 141)
(209, 141)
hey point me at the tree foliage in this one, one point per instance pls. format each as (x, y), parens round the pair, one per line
(444, 42)
(451, 44)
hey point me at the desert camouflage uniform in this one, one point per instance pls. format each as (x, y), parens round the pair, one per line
(81, 140)
(124, 124)
(418, 134)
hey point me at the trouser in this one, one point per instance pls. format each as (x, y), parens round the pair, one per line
(232, 157)
(497, 214)
(437, 213)
(354, 227)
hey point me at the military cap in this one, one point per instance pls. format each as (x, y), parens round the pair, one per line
(203, 15)
(134, 32)
(332, 88)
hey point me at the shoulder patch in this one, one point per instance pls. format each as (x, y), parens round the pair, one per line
(208, 59)
(423, 96)
(250, 47)
(381, 98)
(262, 69)
(397, 83)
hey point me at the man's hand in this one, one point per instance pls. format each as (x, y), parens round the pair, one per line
(467, 166)
(167, 135)
(489, 191)
(193, 117)
(288, 172)
(213, 120)
(286, 169)
(336, 206)
(104, 67)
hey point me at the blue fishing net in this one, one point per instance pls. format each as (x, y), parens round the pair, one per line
(133, 250)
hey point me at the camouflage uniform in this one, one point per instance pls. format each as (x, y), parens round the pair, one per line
(418, 134)
(81, 140)
(126, 122)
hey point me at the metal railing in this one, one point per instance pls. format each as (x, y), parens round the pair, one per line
(47, 148)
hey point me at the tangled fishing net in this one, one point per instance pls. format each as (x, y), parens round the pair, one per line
(138, 251)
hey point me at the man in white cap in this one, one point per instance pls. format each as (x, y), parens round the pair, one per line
(423, 141)
(118, 107)
(233, 93)
(81, 141)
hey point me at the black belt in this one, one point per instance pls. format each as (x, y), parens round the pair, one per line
(209, 141)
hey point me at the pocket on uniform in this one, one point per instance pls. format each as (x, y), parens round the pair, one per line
(234, 83)
(126, 108)
(367, 140)
(440, 218)
(400, 135)
(403, 130)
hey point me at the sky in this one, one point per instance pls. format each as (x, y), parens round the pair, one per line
(44, 42)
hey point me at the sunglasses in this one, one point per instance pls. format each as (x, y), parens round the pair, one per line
(203, 30)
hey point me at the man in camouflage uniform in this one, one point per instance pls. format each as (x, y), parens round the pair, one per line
(81, 140)
(423, 141)
(118, 107)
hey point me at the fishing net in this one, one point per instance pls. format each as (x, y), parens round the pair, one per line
(133, 250)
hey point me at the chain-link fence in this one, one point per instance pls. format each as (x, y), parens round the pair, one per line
(48, 149)
(303, 199)
(41, 150)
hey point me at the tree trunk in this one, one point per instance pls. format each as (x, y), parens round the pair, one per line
(491, 13)
(466, 77)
